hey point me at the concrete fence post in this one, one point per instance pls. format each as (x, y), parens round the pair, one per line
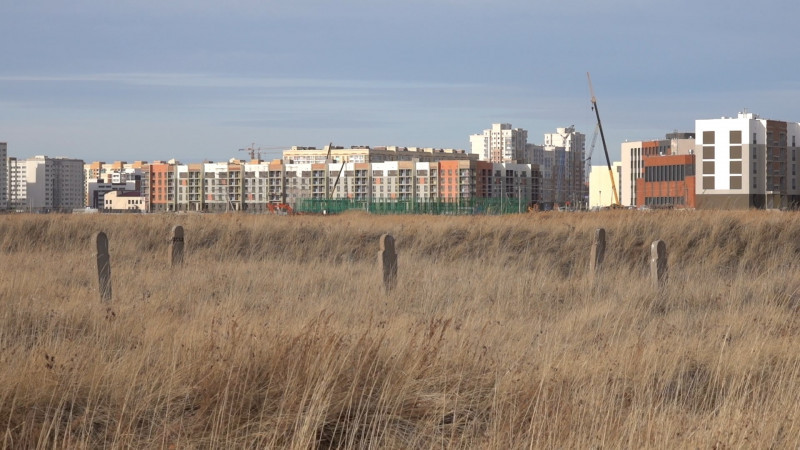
(598, 252)
(387, 259)
(103, 266)
(658, 263)
(176, 246)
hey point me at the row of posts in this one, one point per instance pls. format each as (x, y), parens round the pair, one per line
(658, 259)
(387, 259)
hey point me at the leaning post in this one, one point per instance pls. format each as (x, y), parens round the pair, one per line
(598, 252)
(658, 263)
(387, 259)
(176, 246)
(103, 266)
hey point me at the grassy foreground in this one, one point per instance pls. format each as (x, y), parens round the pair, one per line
(276, 333)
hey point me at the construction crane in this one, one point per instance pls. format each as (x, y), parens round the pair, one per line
(588, 159)
(341, 169)
(252, 150)
(616, 203)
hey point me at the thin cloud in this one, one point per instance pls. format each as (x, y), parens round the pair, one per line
(221, 81)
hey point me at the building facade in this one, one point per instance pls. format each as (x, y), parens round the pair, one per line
(500, 144)
(561, 160)
(367, 154)
(668, 182)
(601, 194)
(44, 184)
(746, 162)
(633, 156)
(4, 182)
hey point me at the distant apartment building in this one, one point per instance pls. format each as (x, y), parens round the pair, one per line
(45, 184)
(500, 144)
(256, 186)
(561, 160)
(746, 162)
(4, 186)
(17, 184)
(101, 177)
(161, 185)
(633, 160)
(367, 154)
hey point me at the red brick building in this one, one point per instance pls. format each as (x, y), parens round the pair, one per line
(668, 182)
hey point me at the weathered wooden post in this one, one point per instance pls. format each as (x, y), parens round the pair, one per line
(598, 252)
(103, 266)
(658, 263)
(387, 259)
(176, 246)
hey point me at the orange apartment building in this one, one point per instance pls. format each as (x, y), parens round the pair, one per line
(162, 182)
(668, 182)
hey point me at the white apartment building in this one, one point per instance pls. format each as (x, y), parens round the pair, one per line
(746, 162)
(634, 152)
(47, 184)
(561, 161)
(17, 184)
(500, 144)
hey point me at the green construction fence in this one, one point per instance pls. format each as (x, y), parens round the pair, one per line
(490, 206)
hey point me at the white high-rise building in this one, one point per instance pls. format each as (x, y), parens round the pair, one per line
(561, 160)
(46, 184)
(500, 144)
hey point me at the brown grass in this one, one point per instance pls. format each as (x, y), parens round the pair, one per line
(277, 334)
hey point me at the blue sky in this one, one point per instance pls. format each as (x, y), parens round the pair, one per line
(195, 80)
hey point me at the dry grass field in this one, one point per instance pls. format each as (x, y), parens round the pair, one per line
(277, 334)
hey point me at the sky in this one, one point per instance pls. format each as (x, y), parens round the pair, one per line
(199, 80)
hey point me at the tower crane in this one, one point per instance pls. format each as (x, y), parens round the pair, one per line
(616, 203)
(252, 150)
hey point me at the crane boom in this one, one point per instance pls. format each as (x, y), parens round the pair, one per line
(603, 139)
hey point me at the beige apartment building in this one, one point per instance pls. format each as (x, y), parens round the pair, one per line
(366, 154)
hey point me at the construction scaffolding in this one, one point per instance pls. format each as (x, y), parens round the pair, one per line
(489, 206)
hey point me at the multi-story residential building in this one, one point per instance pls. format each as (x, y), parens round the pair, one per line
(17, 185)
(190, 187)
(746, 162)
(99, 173)
(4, 185)
(222, 186)
(443, 181)
(50, 184)
(366, 154)
(161, 185)
(561, 160)
(633, 155)
(500, 144)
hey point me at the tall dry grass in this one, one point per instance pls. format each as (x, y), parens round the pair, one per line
(276, 333)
